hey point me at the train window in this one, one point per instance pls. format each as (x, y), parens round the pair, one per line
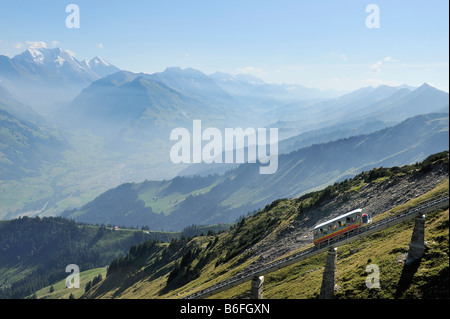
(333, 227)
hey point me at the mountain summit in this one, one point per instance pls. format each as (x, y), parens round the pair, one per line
(41, 75)
(100, 67)
(58, 64)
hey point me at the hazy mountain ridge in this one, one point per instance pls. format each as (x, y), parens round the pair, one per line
(137, 107)
(9, 104)
(225, 197)
(247, 86)
(26, 139)
(383, 103)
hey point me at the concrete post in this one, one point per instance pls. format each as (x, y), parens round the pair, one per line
(417, 244)
(257, 288)
(329, 275)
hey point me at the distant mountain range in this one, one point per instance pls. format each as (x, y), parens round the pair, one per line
(256, 92)
(42, 76)
(137, 106)
(383, 103)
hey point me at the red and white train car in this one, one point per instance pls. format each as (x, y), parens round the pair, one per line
(339, 225)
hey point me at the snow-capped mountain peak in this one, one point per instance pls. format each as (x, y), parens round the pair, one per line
(35, 53)
(52, 74)
(100, 66)
(63, 63)
(44, 56)
(97, 60)
(59, 60)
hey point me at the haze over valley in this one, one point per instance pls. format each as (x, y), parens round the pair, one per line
(95, 127)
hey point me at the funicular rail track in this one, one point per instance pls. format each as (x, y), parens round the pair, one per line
(343, 239)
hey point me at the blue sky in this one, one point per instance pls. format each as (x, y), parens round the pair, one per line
(323, 44)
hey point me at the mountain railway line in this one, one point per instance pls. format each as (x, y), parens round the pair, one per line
(355, 234)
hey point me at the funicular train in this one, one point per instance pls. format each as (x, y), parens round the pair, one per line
(340, 225)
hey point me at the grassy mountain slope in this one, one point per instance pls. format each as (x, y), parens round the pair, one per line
(174, 270)
(387, 250)
(60, 291)
(224, 198)
(35, 252)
